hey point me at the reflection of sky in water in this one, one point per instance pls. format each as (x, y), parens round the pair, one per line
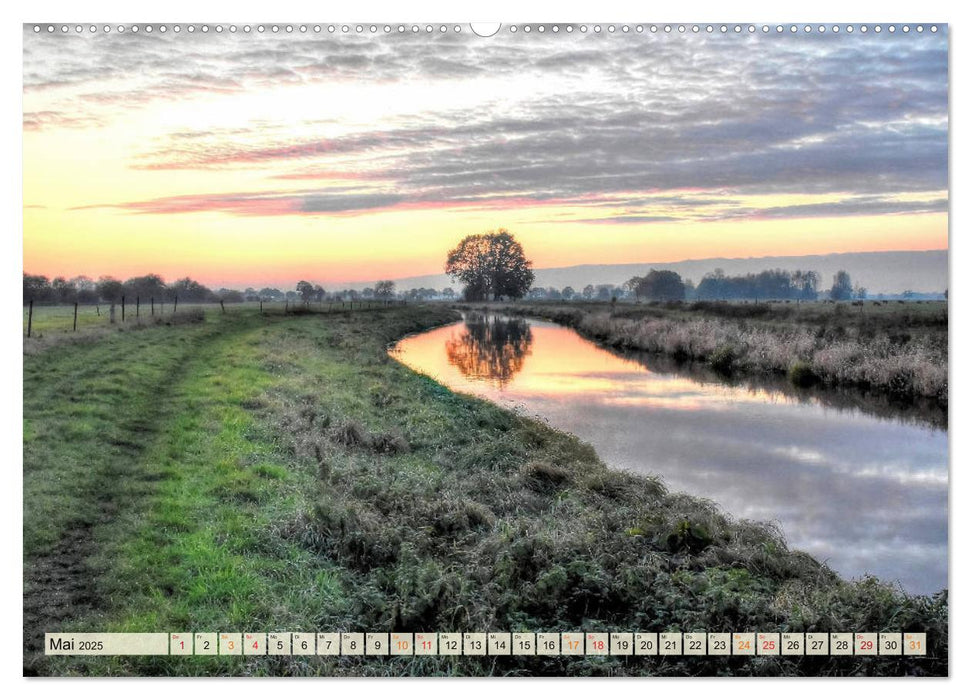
(865, 494)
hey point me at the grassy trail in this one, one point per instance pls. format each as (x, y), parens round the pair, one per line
(143, 483)
(256, 473)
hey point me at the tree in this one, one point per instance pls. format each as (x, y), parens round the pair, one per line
(36, 288)
(306, 291)
(146, 287)
(384, 289)
(63, 291)
(87, 292)
(806, 284)
(842, 288)
(491, 265)
(768, 284)
(588, 292)
(660, 285)
(568, 293)
(110, 289)
(230, 296)
(187, 289)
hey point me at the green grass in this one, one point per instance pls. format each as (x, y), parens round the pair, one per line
(281, 473)
(57, 320)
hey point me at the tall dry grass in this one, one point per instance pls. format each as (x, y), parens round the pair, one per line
(903, 365)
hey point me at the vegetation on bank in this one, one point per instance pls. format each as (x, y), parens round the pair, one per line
(897, 349)
(283, 473)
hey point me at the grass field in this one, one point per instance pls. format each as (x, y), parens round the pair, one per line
(57, 320)
(239, 472)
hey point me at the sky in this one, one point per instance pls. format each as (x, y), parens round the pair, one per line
(251, 159)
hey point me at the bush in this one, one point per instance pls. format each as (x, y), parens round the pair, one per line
(724, 358)
(801, 374)
(688, 537)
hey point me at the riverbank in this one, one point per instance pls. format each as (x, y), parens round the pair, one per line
(281, 472)
(898, 350)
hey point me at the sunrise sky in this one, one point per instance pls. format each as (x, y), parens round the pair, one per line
(262, 159)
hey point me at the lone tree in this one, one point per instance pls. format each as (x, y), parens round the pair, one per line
(491, 265)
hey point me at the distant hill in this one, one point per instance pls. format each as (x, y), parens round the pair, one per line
(881, 273)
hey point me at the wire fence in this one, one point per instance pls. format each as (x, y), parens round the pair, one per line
(52, 317)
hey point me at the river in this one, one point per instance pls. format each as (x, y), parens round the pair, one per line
(863, 489)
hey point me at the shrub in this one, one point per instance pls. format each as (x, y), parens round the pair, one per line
(724, 358)
(801, 374)
(901, 382)
(688, 537)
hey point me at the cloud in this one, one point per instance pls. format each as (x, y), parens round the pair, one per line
(635, 219)
(855, 206)
(605, 118)
(40, 120)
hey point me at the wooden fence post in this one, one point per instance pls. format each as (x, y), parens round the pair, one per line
(175, 308)
(122, 308)
(138, 302)
(30, 317)
(221, 306)
(153, 305)
(261, 307)
(75, 316)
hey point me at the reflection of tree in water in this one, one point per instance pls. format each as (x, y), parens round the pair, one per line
(490, 348)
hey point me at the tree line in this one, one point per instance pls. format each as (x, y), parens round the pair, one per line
(667, 285)
(85, 290)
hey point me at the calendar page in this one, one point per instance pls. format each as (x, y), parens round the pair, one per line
(518, 349)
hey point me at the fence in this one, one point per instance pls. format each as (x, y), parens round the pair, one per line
(41, 317)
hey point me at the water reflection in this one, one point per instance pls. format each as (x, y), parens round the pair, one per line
(866, 493)
(489, 348)
(923, 412)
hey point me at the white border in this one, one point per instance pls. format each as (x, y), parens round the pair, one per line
(741, 11)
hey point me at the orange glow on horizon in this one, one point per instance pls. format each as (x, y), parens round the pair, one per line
(254, 186)
(223, 249)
